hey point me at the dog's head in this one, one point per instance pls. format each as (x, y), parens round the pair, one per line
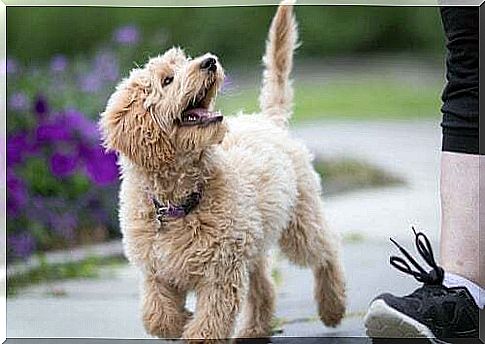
(165, 110)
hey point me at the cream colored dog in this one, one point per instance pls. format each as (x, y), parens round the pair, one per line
(203, 198)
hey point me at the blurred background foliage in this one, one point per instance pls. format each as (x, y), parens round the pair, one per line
(234, 33)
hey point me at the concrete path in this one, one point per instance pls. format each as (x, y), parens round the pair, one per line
(109, 307)
(410, 150)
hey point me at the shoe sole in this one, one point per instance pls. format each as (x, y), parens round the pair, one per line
(382, 320)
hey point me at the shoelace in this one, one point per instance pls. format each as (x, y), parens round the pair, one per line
(434, 277)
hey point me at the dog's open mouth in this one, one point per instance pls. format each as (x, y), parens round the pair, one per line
(198, 113)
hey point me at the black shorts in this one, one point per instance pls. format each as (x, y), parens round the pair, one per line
(460, 96)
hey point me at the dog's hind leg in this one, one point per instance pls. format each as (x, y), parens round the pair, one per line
(308, 242)
(259, 304)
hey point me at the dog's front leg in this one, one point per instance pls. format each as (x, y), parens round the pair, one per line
(164, 313)
(218, 302)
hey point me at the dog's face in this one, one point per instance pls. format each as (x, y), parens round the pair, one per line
(165, 110)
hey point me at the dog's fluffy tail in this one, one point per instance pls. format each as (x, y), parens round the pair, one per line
(276, 99)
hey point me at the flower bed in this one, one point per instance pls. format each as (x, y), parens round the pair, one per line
(61, 184)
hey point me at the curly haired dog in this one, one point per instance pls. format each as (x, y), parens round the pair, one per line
(225, 190)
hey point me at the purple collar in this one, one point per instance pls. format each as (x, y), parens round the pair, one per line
(167, 210)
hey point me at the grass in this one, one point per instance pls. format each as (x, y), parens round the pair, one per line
(343, 175)
(276, 276)
(88, 268)
(361, 99)
(353, 238)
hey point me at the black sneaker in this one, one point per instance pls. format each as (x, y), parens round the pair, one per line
(432, 311)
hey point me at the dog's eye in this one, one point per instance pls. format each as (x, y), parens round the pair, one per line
(167, 81)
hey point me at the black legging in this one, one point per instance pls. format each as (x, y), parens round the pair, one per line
(460, 96)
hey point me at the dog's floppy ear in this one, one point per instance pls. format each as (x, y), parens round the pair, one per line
(128, 127)
(115, 120)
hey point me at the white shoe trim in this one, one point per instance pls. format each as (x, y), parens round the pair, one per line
(382, 320)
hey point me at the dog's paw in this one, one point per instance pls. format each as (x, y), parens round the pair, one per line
(166, 326)
(332, 311)
(330, 294)
(204, 334)
(254, 332)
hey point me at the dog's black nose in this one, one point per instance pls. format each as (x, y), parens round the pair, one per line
(209, 63)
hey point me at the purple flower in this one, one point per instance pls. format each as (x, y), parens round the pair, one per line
(57, 214)
(70, 125)
(18, 101)
(16, 194)
(101, 167)
(21, 245)
(17, 145)
(128, 34)
(96, 209)
(3, 159)
(63, 165)
(12, 66)
(86, 128)
(41, 107)
(106, 66)
(58, 63)
(53, 132)
(64, 224)
(90, 83)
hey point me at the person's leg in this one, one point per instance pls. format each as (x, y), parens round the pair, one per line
(460, 232)
(447, 305)
(459, 187)
(459, 253)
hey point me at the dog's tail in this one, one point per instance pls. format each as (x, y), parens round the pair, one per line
(276, 98)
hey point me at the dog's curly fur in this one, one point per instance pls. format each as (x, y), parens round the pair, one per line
(259, 187)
